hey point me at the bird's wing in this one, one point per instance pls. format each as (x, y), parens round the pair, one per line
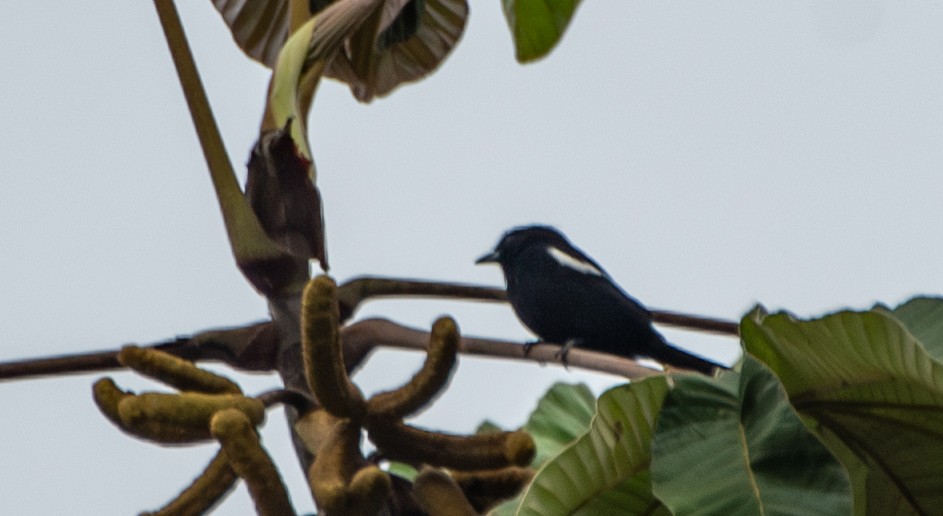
(578, 262)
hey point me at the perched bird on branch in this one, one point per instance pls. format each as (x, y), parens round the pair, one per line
(565, 297)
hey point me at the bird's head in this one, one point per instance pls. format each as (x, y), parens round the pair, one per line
(520, 239)
(521, 246)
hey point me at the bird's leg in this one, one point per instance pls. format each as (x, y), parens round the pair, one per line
(530, 345)
(565, 350)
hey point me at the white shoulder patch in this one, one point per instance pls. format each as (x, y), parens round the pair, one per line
(573, 263)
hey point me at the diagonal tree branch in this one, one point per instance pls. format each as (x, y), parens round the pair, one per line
(352, 293)
(250, 348)
(77, 363)
(357, 291)
(696, 322)
(362, 337)
(255, 346)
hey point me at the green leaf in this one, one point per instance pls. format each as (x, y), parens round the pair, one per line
(537, 25)
(735, 446)
(487, 427)
(923, 317)
(402, 470)
(606, 471)
(285, 99)
(562, 415)
(874, 395)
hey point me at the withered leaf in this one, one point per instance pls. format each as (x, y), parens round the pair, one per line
(284, 199)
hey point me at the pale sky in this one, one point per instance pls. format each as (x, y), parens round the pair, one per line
(710, 155)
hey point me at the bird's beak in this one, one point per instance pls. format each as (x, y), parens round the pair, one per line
(492, 257)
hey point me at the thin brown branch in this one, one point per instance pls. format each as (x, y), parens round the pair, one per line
(357, 291)
(364, 336)
(250, 347)
(63, 364)
(696, 322)
(254, 347)
(81, 362)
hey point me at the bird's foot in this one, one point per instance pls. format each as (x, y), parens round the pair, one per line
(529, 345)
(565, 351)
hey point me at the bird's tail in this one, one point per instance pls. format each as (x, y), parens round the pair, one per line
(670, 355)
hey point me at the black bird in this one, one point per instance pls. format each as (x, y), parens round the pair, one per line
(565, 297)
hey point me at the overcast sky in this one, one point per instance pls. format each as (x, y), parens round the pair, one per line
(710, 155)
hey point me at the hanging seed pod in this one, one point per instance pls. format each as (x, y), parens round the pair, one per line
(108, 396)
(324, 361)
(237, 435)
(204, 493)
(438, 494)
(399, 441)
(429, 381)
(174, 371)
(181, 418)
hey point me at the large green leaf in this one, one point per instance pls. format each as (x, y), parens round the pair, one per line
(875, 396)
(562, 415)
(537, 25)
(606, 471)
(923, 317)
(735, 446)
